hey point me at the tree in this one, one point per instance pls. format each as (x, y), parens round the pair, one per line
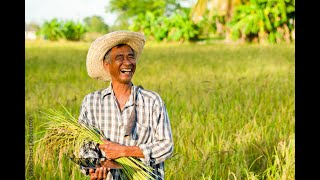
(73, 31)
(177, 27)
(215, 13)
(128, 10)
(263, 21)
(96, 24)
(250, 19)
(52, 29)
(218, 7)
(56, 29)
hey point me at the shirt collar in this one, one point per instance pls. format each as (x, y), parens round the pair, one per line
(109, 91)
(131, 100)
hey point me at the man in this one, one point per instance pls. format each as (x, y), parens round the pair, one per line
(135, 121)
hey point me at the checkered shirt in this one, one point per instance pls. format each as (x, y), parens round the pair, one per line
(151, 133)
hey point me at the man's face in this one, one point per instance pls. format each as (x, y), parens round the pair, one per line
(122, 65)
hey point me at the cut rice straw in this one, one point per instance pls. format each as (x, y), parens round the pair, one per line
(64, 135)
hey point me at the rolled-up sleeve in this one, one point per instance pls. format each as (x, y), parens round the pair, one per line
(161, 147)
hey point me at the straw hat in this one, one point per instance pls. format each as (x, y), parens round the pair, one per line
(103, 44)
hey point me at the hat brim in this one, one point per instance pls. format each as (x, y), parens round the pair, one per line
(103, 44)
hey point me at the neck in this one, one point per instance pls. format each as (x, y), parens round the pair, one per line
(120, 88)
(122, 92)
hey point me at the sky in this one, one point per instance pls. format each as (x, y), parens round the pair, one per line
(39, 11)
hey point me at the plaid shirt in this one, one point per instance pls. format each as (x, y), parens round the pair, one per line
(151, 133)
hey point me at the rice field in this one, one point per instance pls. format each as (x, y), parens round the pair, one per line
(231, 106)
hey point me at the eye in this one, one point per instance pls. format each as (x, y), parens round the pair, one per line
(131, 57)
(119, 58)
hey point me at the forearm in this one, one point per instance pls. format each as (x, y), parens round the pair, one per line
(134, 151)
(114, 150)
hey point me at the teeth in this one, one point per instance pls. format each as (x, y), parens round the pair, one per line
(125, 70)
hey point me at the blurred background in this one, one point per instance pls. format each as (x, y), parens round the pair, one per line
(257, 21)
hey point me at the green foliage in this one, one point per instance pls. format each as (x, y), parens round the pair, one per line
(96, 24)
(182, 27)
(56, 29)
(264, 19)
(177, 27)
(128, 10)
(52, 29)
(153, 26)
(208, 26)
(73, 31)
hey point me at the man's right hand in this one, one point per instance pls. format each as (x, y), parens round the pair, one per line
(98, 173)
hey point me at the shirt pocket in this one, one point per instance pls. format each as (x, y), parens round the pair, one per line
(140, 134)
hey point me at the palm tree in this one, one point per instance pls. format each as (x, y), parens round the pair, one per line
(220, 7)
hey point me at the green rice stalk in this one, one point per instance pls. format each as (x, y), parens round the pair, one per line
(64, 135)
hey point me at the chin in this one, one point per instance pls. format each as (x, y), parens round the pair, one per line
(125, 81)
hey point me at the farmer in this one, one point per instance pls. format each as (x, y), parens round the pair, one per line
(132, 120)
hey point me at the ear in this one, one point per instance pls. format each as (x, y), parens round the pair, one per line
(106, 66)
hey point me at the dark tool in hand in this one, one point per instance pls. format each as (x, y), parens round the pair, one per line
(93, 163)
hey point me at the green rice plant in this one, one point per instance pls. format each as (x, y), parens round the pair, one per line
(228, 104)
(282, 162)
(64, 135)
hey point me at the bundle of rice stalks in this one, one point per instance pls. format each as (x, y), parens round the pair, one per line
(63, 135)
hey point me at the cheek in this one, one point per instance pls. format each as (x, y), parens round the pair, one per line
(134, 65)
(134, 68)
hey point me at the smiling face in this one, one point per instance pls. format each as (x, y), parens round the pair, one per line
(122, 64)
